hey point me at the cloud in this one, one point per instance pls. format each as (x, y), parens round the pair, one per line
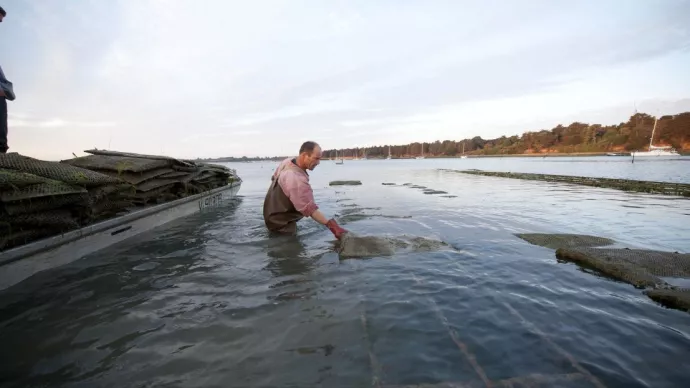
(22, 121)
(308, 106)
(379, 122)
(146, 76)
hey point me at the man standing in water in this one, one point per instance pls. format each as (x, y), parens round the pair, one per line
(6, 93)
(290, 197)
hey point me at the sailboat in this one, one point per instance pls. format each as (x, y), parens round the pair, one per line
(389, 152)
(656, 150)
(422, 156)
(336, 158)
(463, 151)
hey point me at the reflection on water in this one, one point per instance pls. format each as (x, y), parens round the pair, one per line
(288, 256)
(213, 300)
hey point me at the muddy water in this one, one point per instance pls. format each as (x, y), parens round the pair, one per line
(212, 301)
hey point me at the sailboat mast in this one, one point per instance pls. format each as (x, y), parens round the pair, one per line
(651, 140)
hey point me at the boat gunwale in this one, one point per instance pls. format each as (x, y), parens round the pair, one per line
(52, 242)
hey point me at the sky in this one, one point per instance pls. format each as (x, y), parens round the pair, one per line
(219, 78)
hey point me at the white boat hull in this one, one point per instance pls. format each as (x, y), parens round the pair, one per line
(656, 153)
(21, 262)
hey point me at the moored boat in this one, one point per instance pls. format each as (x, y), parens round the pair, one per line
(657, 151)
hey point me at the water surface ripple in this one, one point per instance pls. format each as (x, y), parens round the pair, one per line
(213, 301)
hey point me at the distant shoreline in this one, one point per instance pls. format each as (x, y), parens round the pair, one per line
(577, 139)
(469, 156)
(242, 160)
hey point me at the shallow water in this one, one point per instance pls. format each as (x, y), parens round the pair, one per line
(212, 301)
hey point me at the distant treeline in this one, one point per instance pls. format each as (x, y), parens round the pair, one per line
(633, 135)
(241, 159)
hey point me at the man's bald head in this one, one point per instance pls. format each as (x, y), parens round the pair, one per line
(308, 147)
(309, 155)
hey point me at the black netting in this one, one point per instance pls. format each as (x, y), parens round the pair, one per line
(14, 178)
(345, 183)
(186, 168)
(136, 178)
(174, 174)
(51, 188)
(140, 156)
(56, 171)
(104, 191)
(192, 176)
(673, 298)
(118, 163)
(155, 183)
(40, 198)
(144, 197)
(665, 188)
(60, 219)
(41, 204)
(641, 268)
(556, 240)
(107, 207)
(657, 271)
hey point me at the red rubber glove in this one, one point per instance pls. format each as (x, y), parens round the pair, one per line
(337, 231)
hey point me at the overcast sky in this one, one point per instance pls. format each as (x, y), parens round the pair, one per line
(230, 78)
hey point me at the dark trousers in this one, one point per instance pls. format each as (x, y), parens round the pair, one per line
(3, 125)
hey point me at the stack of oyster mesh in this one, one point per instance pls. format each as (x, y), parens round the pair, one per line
(41, 198)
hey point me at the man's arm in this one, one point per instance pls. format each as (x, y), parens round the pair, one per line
(300, 193)
(331, 224)
(319, 217)
(297, 189)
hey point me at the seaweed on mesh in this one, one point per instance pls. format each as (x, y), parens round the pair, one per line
(61, 196)
(47, 189)
(638, 267)
(559, 240)
(355, 246)
(12, 179)
(58, 220)
(118, 164)
(136, 178)
(56, 171)
(43, 203)
(671, 297)
(616, 269)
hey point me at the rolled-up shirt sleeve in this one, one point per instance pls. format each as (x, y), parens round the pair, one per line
(296, 187)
